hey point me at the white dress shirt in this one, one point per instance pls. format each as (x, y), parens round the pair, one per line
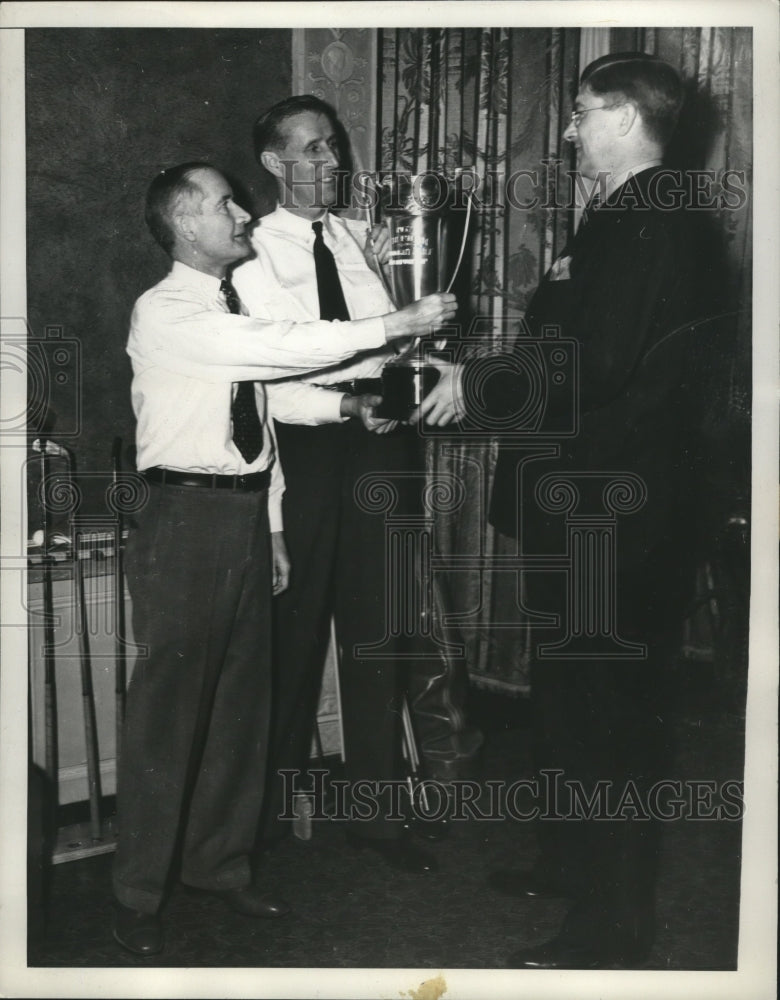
(187, 351)
(281, 283)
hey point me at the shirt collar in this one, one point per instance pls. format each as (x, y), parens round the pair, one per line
(195, 279)
(618, 180)
(295, 224)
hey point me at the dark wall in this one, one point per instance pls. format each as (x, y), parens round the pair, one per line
(106, 109)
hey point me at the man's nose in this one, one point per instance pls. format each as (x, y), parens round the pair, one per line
(571, 132)
(238, 213)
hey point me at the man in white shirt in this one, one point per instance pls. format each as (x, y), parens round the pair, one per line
(325, 454)
(200, 569)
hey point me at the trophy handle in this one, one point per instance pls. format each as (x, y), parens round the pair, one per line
(462, 242)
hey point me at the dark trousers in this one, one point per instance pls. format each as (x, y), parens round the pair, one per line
(603, 721)
(193, 757)
(337, 550)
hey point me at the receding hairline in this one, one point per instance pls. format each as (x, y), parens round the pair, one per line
(192, 176)
(191, 180)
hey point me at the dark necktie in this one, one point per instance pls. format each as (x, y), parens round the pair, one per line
(332, 302)
(247, 429)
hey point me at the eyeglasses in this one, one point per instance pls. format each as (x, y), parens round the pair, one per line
(576, 116)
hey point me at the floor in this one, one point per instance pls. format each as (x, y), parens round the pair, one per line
(352, 912)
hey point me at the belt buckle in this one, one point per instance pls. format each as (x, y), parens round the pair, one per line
(239, 481)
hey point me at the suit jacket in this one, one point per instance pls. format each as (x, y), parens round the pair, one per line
(630, 289)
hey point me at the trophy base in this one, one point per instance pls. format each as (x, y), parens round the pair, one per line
(404, 386)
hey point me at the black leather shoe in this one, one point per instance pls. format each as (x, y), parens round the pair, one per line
(249, 901)
(139, 933)
(525, 884)
(398, 853)
(559, 953)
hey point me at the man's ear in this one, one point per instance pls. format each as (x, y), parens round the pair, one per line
(182, 224)
(629, 118)
(272, 163)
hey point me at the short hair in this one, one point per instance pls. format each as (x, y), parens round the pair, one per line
(164, 194)
(652, 84)
(269, 132)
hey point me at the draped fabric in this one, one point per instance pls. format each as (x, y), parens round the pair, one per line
(498, 100)
(716, 135)
(495, 99)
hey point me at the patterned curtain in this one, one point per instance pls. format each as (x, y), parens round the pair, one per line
(494, 99)
(716, 134)
(498, 100)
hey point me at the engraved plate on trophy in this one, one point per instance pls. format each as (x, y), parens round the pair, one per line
(415, 209)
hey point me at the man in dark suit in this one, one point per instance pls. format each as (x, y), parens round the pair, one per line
(614, 496)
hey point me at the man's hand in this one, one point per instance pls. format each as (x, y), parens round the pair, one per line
(377, 248)
(280, 563)
(418, 319)
(363, 408)
(444, 403)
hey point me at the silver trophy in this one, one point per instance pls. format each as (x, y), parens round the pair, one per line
(416, 209)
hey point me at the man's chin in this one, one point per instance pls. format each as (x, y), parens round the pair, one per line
(329, 194)
(586, 170)
(243, 249)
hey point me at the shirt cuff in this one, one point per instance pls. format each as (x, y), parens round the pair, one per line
(332, 411)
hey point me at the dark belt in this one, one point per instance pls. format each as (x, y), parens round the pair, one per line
(251, 483)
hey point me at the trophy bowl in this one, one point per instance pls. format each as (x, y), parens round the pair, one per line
(415, 208)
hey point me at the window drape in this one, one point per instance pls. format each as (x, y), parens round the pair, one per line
(498, 100)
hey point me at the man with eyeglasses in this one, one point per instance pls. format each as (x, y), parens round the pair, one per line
(629, 290)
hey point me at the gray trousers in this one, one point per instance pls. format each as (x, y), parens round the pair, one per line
(193, 757)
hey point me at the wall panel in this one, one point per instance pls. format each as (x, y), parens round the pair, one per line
(106, 109)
